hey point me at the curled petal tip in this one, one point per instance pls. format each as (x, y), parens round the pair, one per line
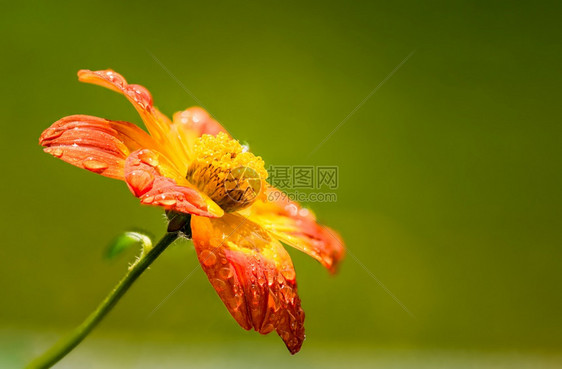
(83, 72)
(106, 78)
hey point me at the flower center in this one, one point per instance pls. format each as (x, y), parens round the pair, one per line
(224, 170)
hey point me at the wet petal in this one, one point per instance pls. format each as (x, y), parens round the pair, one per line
(253, 275)
(96, 144)
(198, 121)
(157, 123)
(297, 226)
(153, 179)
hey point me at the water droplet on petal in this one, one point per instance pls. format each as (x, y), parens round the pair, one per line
(52, 133)
(140, 181)
(267, 328)
(149, 158)
(94, 165)
(208, 258)
(238, 299)
(289, 274)
(167, 201)
(148, 200)
(140, 95)
(219, 284)
(226, 273)
(292, 209)
(57, 152)
(304, 212)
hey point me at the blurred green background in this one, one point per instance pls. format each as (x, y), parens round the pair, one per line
(449, 188)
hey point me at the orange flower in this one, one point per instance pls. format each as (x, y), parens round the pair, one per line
(191, 165)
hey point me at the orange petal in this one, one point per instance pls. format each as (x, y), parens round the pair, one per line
(153, 179)
(296, 226)
(93, 143)
(157, 123)
(198, 121)
(253, 275)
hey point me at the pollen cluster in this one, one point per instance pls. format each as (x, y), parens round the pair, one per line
(227, 172)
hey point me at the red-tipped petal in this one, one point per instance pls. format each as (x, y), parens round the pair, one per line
(155, 181)
(96, 144)
(253, 275)
(138, 95)
(297, 227)
(159, 126)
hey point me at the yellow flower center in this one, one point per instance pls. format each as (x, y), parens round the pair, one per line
(227, 172)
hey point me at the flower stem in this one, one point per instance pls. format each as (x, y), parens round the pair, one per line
(66, 344)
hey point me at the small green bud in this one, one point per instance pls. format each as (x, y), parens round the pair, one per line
(125, 241)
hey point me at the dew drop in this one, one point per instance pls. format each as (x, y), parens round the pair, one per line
(148, 158)
(226, 273)
(141, 95)
(140, 181)
(52, 133)
(57, 152)
(270, 279)
(219, 284)
(292, 209)
(268, 328)
(208, 258)
(148, 200)
(289, 274)
(304, 212)
(94, 165)
(238, 299)
(167, 201)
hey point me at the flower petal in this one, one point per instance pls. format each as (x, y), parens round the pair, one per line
(190, 124)
(157, 123)
(96, 144)
(253, 275)
(296, 226)
(198, 121)
(153, 179)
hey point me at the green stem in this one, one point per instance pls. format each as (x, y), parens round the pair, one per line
(66, 344)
